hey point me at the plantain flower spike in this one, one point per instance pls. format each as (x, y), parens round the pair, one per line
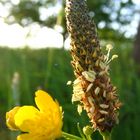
(92, 87)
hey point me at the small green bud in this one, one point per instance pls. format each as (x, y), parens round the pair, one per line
(88, 130)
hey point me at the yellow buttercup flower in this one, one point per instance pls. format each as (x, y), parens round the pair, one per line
(10, 121)
(42, 123)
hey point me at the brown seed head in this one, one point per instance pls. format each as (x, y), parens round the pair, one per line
(92, 87)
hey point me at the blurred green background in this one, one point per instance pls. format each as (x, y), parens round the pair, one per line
(23, 71)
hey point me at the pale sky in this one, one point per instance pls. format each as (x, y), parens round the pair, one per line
(34, 36)
(16, 36)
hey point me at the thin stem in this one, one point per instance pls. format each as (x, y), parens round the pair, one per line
(106, 135)
(70, 136)
(88, 137)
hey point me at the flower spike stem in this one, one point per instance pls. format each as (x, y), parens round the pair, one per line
(70, 136)
(88, 137)
(106, 135)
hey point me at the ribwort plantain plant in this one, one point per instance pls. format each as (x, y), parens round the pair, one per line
(92, 88)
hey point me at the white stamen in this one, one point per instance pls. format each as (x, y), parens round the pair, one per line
(101, 120)
(103, 112)
(104, 106)
(89, 87)
(79, 109)
(109, 47)
(89, 75)
(114, 56)
(69, 82)
(97, 90)
(104, 94)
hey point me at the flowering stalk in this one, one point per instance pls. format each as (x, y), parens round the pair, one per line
(92, 87)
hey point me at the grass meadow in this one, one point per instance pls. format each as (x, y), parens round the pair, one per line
(50, 69)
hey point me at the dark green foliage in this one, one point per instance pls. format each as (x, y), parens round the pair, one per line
(50, 69)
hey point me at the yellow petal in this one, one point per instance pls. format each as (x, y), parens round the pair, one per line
(44, 101)
(34, 136)
(27, 137)
(10, 120)
(52, 111)
(26, 118)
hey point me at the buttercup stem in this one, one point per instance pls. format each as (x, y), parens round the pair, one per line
(70, 136)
